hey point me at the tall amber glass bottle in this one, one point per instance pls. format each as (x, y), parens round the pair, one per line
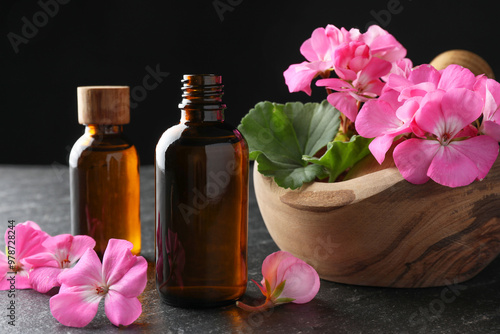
(201, 202)
(104, 170)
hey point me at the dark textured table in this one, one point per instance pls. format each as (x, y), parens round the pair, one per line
(41, 194)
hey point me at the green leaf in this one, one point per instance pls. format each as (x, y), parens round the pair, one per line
(312, 128)
(289, 176)
(280, 135)
(283, 300)
(268, 286)
(267, 129)
(279, 289)
(342, 155)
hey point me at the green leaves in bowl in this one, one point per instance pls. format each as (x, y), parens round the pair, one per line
(283, 139)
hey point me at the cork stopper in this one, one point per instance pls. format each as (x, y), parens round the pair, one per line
(108, 105)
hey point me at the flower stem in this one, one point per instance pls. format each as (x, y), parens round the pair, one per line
(268, 304)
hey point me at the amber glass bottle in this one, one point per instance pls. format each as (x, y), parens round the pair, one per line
(104, 170)
(201, 202)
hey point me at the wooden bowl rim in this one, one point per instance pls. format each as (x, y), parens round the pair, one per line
(325, 196)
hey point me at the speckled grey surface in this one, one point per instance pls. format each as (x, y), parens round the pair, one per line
(41, 194)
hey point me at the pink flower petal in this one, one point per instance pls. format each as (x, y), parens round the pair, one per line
(481, 150)
(74, 309)
(401, 67)
(44, 278)
(420, 89)
(28, 239)
(31, 224)
(407, 111)
(79, 245)
(490, 93)
(302, 282)
(338, 36)
(270, 267)
(317, 47)
(284, 265)
(42, 259)
(377, 118)
(380, 145)
(372, 33)
(413, 158)
(469, 131)
(345, 73)
(87, 271)
(298, 77)
(121, 310)
(368, 90)
(21, 282)
(462, 107)
(345, 103)
(4, 265)
(455, 76)
(491, 129)
(430, 117)
(375, 69)
(117, 260)
(58, 242)
(425, 74)
(387, 48)
(133, 283)
(451, 168)
(397, 82)
(335, 84)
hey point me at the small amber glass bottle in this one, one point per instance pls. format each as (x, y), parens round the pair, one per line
(201, 202)
(104, 170)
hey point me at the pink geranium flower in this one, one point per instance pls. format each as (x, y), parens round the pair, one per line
(362, 65)
(385, 119)
(60, 253)
(451, 155)
(28, 241)
(434, 110)
(318, 51)
(120, 278)
(351, 92)
(286, 279)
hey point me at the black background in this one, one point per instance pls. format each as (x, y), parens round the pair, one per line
(250, 43)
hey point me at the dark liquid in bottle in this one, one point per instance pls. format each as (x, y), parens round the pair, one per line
(201, 208)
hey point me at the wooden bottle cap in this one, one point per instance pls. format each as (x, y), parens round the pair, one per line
(109, 105)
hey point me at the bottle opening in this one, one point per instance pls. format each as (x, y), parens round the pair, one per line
(201, 80)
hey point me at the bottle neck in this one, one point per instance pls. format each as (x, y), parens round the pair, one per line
(101, 129)
(202, 98)
(190, 115)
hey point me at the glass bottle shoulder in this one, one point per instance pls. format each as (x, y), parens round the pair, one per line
(100, 146)
(199, 134)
